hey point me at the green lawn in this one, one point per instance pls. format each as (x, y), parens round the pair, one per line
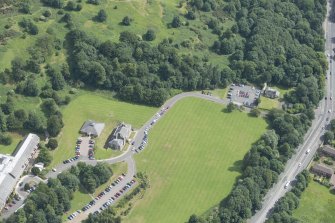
(192, 160)
(268, 103)
(101, 109)
(10, 149)
(317, 204)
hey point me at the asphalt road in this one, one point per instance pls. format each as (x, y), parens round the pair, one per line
(312, 139)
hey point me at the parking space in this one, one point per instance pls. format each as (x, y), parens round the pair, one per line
(86, 145)
(147, 129)
(243, 94)
(106, 198)
(84, 148)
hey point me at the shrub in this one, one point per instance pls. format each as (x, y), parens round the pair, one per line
(52, 144)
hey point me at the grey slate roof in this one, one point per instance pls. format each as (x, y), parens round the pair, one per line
(328, 150)
(323, 169)
(116, 143)
(120, 135)
(91, 127)
(124, 131)
(12, 167)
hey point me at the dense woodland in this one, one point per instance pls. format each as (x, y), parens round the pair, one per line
(136, 70)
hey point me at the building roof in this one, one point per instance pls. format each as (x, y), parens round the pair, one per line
(272, 92)
(91, 127)
(323, 169)
(12, 167)
(116, 142)
(328, 149)
(124, 131)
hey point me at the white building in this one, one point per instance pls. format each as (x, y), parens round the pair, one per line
(12, 167)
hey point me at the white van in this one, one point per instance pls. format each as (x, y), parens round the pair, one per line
(308, 151)
(287, 184)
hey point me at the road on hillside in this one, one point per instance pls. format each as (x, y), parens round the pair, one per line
(127, 157)
(312, 140)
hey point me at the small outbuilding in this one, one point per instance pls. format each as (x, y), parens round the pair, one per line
(271, 93)
(322, 170)
(92, 128)
(39, 166)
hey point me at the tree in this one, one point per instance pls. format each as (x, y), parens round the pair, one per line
(149, 35)
(332, 125)
(47, 13)
(54, 125)
(26, 186)
(49, 107)
(69, 181)
(328, 137)
(3, 123)
(52, 144)
(8, 107)
(35, 122)
(5, 139)
(255, 112)
(70, 5)
(25, 7)
(126, 21)
(190, 15)
(94, 2)
(35, 171)
(176, 22)
(230, 107)
(57, 79)
(44, 156)
(195, 219)
(102, 16)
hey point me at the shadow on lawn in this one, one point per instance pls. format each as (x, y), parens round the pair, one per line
(236, 166)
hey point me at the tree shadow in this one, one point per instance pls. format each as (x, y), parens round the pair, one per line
(236, 166)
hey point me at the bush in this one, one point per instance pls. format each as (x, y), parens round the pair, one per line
(255, 112)
(94, 2)
(35, 171)
(52, 144)
(150, 35)
(126, 21)
(47, 13)
(26, 187)
(79, 7)
(328, 162)
(102, 16)
(5, 139)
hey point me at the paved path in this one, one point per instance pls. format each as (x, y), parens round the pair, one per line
(312, 139)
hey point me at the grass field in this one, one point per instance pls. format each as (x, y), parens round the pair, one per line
(192, 160)
(268, 103)
(101, 109)
(317, 204)
(10, 148)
